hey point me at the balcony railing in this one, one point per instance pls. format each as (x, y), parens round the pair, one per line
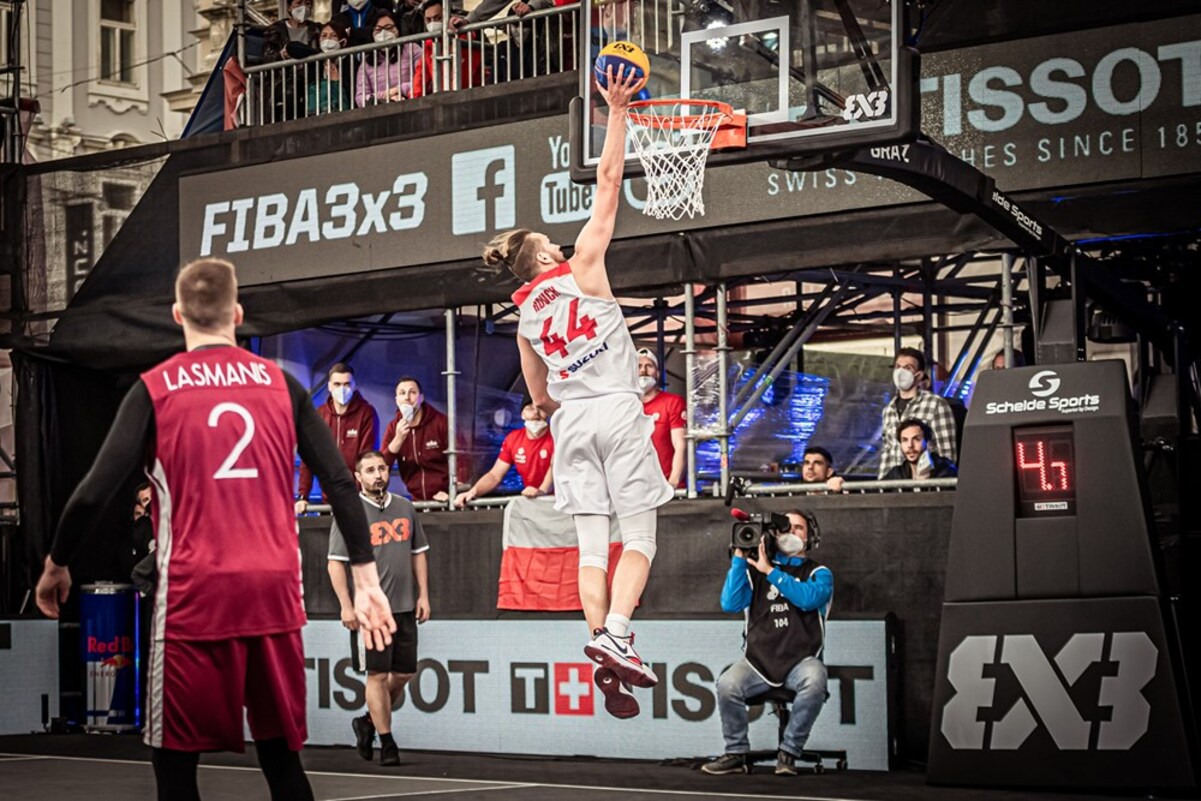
(481, 54)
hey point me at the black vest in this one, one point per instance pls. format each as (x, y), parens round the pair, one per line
(778, 634)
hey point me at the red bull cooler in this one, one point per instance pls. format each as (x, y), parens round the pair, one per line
(109, 626)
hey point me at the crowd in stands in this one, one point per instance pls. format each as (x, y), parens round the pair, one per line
(920, 435)
(408, 38)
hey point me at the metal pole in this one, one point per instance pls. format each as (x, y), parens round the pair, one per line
(690, 387)
(241, 34)
(723, 415)
(452, 453)
(1007, 260)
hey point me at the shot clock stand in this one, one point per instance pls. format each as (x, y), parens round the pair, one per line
(1058, 660)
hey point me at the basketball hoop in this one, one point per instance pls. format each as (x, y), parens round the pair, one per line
(672, 139)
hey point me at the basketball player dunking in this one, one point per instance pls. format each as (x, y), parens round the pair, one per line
(216, 429)
(577, 357)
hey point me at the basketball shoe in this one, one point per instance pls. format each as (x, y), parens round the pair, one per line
(618, 654)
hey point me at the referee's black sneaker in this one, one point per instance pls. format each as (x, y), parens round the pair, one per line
(727, 763)
(389, 753)
(364, 736)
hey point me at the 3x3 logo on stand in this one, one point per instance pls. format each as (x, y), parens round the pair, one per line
(1050, 694)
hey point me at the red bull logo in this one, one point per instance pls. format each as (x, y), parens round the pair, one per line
(117, 645)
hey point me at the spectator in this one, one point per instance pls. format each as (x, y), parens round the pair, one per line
(531, 449)
(358, 18)
(386, 74)
(914, 436)
(351, 420)
(411, 17)
(786, 597)
(399, 545)
(909, 367)
(416, 440)
(471, 62)
(330, 91)
(817, 467)
(998, 359)
(296, 27)
(958, 407)
(669, 411)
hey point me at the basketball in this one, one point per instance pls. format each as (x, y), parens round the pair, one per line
(619, 54)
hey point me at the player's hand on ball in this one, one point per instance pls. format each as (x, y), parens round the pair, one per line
(620, 87)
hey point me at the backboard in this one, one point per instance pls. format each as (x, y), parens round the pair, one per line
(812, 76)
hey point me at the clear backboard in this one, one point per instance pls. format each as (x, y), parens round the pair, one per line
(812, 76)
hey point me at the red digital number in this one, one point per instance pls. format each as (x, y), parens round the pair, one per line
(1044, 468)
(577, 326)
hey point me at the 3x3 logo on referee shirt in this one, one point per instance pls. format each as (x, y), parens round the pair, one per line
(384, 532)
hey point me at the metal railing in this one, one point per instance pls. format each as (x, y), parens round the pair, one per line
(480, 54)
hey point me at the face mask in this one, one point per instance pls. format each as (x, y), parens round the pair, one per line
(384, 36)
(407, 410)
(535, 427)
(357, 5)
(330, 45)
(300, 14)
(434, 27)
(645, 382)
(341, 394)
(790, 544)
(903, 379)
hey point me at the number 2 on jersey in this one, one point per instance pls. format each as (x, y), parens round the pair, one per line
(577, 327)
(227, 469)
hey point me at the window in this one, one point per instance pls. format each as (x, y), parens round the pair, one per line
(117, 30)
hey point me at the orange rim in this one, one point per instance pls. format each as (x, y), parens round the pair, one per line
(678, 121)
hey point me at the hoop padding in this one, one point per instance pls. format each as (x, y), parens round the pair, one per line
(672, 139)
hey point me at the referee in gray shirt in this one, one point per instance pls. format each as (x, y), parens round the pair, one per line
(400, 545)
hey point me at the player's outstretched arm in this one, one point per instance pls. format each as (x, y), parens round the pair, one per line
(588, 261)
(122, 453)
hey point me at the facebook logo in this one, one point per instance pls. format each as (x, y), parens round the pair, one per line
(484, 190)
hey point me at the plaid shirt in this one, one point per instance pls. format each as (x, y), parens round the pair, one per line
(931, 409)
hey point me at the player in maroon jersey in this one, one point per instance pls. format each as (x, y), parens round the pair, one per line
(215, 429)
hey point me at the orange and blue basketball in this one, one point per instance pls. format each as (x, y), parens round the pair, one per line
(622, 54)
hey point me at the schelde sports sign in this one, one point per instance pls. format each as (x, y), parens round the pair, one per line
(525, 687)
(1108, 104)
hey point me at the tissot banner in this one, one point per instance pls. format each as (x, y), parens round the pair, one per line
(1080, 107)
(29, 674)
(525, 687)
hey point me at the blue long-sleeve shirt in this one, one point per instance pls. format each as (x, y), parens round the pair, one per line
(808, 595)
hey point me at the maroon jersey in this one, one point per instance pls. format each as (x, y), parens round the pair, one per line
(221, 470)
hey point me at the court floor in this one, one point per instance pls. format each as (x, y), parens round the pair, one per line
(44, 767)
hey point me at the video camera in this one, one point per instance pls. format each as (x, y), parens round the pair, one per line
(751, 527)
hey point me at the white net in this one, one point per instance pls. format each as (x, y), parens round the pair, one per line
(672, 141)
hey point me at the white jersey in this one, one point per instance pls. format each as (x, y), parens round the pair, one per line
(582, 339)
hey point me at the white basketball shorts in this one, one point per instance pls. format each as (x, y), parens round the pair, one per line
(605, 463)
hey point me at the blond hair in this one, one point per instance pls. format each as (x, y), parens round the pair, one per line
(207, 292)
(517, 250)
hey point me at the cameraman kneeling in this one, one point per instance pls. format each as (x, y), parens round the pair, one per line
(786, 597)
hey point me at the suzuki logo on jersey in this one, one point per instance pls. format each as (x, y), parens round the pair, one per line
(483, 189)
(868, 106)
(1044, 383)
(1048, 689)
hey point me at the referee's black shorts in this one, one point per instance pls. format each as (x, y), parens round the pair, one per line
(399, 657)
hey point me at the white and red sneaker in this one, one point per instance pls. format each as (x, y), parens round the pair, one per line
(618, 654)
(619, 700)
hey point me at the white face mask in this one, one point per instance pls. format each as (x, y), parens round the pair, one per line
(535, 427)
(790, 544)
(434, 27)
(407, 410)
(357, 5)
(645, 382)
(300, 13)
(341, 394)
(903, 379)
(384, 36)
(330, 45)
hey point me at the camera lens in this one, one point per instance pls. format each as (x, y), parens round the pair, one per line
(746, 536)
